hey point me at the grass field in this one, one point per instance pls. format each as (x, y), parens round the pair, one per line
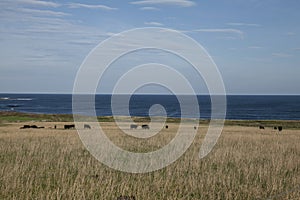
(246, 163)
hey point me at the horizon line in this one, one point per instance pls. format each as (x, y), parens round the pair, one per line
(165, 94)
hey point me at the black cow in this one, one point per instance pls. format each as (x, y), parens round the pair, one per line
(261, 127)
(167, 126)
(69, 126)
(31, 126)
(25, 126)
(275, 127)
(126, 198)
(86, 126)
(145, 126)
(133, 126)
(279, 128)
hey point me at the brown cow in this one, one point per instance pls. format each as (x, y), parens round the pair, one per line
(86, 126)
(133, 126)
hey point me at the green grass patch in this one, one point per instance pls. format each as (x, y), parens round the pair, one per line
(8, 117)
(16, 118)
(286, 124)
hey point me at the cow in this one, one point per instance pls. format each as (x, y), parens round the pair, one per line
(145, 126)
(279, 128)
(133, 126)
(25, 126)
(126, 198)
(275, 127)
(261, 127)
(69, 126)
(167, 126)
(195, 127)
(86, 126)
(31, 126)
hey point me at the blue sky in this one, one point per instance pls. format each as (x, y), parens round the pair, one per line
(255, 43)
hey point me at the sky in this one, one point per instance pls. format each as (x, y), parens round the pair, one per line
(254, 43)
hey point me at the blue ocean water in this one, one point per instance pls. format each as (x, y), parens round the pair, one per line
(238, 107)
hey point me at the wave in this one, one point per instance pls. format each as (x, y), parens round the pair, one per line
(4, 98)
(23, 99)
(16, 99)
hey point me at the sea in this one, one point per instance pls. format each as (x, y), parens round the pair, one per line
(238, 107)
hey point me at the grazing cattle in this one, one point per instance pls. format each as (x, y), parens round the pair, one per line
(261, 127)
(31, 126)
(145, 126)
(133, 126)
(54, 126)
(69, 126)
(167, 126)
(279, 128)
(275, 127)
(86, 126)
(195, 127)
(25, 126)
(126, 198)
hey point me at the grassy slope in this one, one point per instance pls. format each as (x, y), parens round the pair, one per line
(246, 164)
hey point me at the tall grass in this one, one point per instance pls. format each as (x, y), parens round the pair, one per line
(246, 163)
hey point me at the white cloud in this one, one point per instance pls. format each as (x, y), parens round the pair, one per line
(153, 24)
(38, 36)
(149, 8)
(89, 6)
(181, 3)
(282, 55)
(230, 31)
(38, 3)
(243, 24)
(43, 12)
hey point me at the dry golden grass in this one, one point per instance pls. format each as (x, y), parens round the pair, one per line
(246, 163)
